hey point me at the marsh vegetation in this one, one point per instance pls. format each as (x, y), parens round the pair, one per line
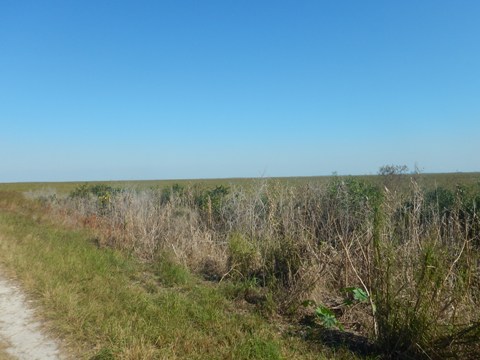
(411, 252)
(386, 266)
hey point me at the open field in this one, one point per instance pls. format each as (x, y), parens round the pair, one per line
(447, 180)
(336, 267)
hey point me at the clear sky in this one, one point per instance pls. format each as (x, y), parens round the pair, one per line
(103, 90)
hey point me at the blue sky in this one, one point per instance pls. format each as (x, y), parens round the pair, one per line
(103, 90)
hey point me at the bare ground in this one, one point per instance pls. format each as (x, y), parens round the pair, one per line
(21, 336)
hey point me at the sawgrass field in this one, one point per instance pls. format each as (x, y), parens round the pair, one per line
(346, 267)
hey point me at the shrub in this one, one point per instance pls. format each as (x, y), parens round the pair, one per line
(210, 202)
(175, 191)
(243, 257)
(420, 282)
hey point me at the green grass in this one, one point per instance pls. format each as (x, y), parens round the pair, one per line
(446, 180)
(106, 304)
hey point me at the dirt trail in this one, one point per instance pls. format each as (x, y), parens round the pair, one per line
(18, 328)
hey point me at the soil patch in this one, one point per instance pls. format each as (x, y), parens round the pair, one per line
(20, 334)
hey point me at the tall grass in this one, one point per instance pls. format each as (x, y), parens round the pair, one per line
(414, 252)
(105, 304)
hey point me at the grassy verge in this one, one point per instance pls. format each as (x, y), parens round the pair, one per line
(108, 305)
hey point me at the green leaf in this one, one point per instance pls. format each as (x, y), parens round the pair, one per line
(327, 317)
(360, 295)
(324, 311)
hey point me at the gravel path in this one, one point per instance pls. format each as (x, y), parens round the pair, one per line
(19, 329)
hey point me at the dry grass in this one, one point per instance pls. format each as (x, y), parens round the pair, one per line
(106, 304)
(416, 258)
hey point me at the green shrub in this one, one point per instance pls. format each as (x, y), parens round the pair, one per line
(176, 190)
(418, 286)
(98, 190)
(101, 192)
(210, 202)
(243, 257)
